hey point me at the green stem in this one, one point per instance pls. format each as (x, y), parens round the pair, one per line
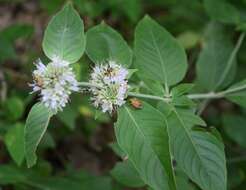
(231, 60)
(147, 96)
(210, 95)
(87, 84)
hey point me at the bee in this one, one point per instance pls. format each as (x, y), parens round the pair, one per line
(38, 80)
(136, 103)
(109, 71)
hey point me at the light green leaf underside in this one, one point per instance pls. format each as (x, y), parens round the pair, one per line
(158, 55)
(36, 125)
(104, 43)
(214, 68)
(14, 140)
(64, 36)
(142, 135)
(198, 153)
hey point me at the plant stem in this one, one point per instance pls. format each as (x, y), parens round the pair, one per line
(87, 84)
(147, 96)
(210, 95)
(231, 59)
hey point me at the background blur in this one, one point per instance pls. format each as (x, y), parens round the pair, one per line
(76, 146)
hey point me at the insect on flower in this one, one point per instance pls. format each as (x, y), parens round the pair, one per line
(112, 79)
(38, 80)
(55, 81)
(136, 103)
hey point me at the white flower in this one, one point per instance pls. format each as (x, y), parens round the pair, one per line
(55, 81)
(111, 80)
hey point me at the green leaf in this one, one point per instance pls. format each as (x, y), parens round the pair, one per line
(235, 128)
(30, 178)
(36, 125)
(64, 36)
(117, 150)
(51, 6)
(215, 69)
(14, 140)
(222, 10)
(10, 175)
(183, 101)
(238, 97)
(183, 181)
(7, 50)
(199, 154)
(236, 176)
(181, 89)
(104, 43)
(158, 55)
(132, 9)
(142, 135)
(126, 174)
(14, 108)
(15, 31)
(68, 117)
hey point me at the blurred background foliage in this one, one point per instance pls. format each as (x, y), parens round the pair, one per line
(78, 151)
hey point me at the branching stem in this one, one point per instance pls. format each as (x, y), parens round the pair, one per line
(210, 95)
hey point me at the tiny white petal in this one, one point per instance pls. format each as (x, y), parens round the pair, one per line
(55, 81)
(113, 81)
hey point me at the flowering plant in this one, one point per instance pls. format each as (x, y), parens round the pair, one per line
(150, 136)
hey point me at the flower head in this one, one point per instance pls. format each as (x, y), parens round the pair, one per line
(55, 81)
(111, 82)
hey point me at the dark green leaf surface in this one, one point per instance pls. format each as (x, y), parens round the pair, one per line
(214, 68)
(104, 43)
(36, 125)
(199, 154)
(158, 55)
(142, 135)
(126, 174)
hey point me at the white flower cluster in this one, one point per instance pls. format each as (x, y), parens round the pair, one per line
(55, 81)
(111, 81)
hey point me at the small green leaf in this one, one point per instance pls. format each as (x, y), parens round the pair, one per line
(64, 36)
(142, 135)
(158, 55)
(181, 89)
(104, 43)
(215, 68)
(14, 140)
(36, 125)
(222, 10)
(183, 101)
(126, 174)
(15, 108)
